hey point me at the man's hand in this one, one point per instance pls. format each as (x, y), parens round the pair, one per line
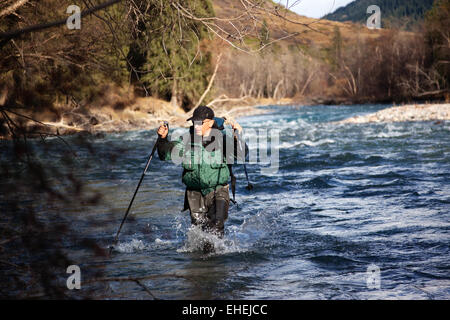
(234, 125)
(237, 127)
(163, 131)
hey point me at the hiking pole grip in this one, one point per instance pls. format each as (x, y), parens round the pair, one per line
(116, 238)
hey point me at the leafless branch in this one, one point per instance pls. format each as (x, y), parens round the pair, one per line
(12, 8)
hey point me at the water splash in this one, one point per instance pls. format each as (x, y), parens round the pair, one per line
(238, 238)
(131, 246)
(136, 245)
(309, 143)
(196, 240)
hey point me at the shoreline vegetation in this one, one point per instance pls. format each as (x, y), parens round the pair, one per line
(141, 113)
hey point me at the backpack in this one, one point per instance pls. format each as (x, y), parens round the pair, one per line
(221, 126)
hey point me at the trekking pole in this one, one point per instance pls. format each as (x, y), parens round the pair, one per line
(166, 124)
(249, 185)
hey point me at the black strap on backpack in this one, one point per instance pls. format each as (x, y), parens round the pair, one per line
(233, 183)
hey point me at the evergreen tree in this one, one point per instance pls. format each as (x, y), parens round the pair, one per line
(336, 46)
(177, 64)
(264, 33)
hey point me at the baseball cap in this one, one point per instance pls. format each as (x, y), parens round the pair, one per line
(202, 113)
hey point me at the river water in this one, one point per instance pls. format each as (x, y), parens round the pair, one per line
(349, 203)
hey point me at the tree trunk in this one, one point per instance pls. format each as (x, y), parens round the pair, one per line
(174, 99)
(210, 82)
(310, 77)
(277, 88)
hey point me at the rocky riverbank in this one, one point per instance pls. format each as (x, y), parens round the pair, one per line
(423, 112)
(135, 114)
(147, 113)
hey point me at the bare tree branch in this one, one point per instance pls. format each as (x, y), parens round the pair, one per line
(6, 36)
(210, 81)
(12, 8)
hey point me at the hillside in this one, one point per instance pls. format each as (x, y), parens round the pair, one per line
(316, 32)
(311, 60)
(394, 13)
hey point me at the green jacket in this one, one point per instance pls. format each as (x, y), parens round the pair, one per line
(203, 170)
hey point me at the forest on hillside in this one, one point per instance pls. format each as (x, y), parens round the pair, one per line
(404, 14)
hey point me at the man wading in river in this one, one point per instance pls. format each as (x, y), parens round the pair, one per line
(207, 168)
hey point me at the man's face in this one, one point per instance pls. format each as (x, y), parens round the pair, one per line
(202, 128)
